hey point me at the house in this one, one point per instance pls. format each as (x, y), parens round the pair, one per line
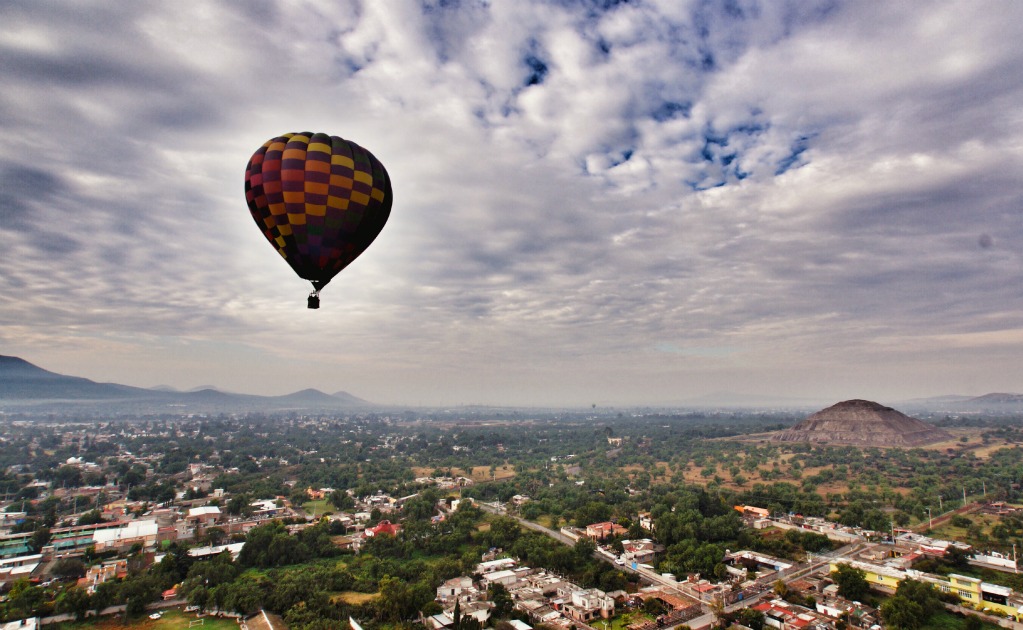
(785, 616)
(646, 521)
(504, 577)
(642, 550)
(97, 574)
(264, 508)
(205, 516)
(456, 588)
(499, 564)
(587, 604)
(131, 533)
(752, 512)
(234, 549)
(383, 527)
(480, 611)
(600, 531)
(18, 567)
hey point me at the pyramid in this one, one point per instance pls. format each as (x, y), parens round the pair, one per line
(862, 423)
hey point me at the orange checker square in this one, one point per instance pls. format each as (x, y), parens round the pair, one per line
(316, 210)
(317, 188)
(340, 181)
(296, 219)
(294, 196)
(293, 175)
(277, 209)
(294, 154)
(317, 166)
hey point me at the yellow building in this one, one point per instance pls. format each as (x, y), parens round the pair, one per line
(973, 592)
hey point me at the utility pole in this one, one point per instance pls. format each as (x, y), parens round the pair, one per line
(964, 496)
(940, 508)
(930, 520)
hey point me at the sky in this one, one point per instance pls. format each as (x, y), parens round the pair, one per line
(595, 203)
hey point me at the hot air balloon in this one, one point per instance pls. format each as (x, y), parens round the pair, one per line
(319, 199)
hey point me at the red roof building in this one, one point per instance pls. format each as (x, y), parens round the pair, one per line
(384, 527)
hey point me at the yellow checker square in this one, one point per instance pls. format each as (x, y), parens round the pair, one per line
(319, 147)
(364, 177)
(296, 219)
(299, 137)
(285, 229)
(280, 242)
(339, 203)
(342, 160)
(294, 196)
(360, 198)
(318, 210)
(377, 194)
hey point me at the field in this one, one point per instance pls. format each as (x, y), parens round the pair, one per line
(318, 507)
(172, 619)
(355, 598)
(477, 474)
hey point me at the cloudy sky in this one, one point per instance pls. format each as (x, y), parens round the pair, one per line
(595, 202)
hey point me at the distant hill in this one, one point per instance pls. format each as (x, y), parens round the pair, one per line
(20, 379)
(26, 386)
(997, 399)
(862, 423)
(315, 396)
(994, 402)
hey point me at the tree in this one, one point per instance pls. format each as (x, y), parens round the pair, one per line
(902, 613)
(39, 539)
(74, 601)
(502, 600)
(92, 517)
(852, 582)
(68, 568)
(751, 618)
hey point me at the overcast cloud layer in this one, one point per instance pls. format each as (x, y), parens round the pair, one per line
(634, 203)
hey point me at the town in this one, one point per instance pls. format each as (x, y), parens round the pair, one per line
(473, 522)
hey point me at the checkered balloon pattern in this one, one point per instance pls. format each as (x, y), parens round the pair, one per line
(320, 200)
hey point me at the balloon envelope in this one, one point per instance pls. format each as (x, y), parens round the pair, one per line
(319, 199)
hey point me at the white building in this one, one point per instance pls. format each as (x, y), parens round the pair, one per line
(142, 532)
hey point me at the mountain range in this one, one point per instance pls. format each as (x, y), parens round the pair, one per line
(25, 387)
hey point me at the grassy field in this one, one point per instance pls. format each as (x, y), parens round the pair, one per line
(355, 598)
(318, 507)
(172, 619)
(478, 473)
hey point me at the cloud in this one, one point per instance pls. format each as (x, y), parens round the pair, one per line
(642, 200)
